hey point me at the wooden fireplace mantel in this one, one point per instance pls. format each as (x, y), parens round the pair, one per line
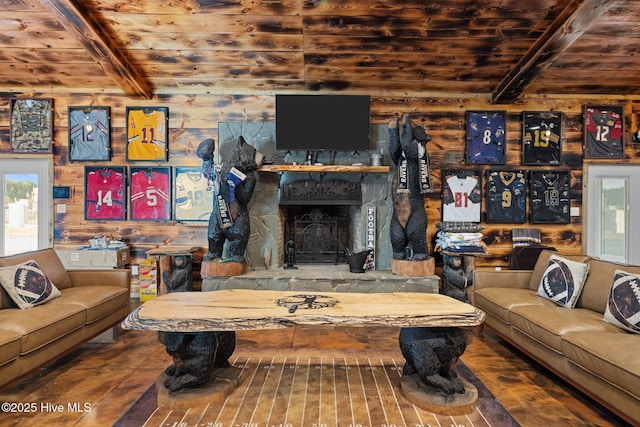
(324, 168)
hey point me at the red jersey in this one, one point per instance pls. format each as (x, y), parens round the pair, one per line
(149, 195)
(105, 195)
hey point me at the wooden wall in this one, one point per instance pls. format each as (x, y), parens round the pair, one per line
(194, 118)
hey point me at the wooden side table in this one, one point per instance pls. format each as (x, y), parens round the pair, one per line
(165, 257)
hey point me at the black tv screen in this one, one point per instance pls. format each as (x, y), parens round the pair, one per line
(322, 122)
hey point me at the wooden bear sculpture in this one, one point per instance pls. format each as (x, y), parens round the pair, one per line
(409, 220)
(233, 181)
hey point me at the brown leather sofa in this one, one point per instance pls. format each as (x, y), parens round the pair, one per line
(92, 301)
(596, 357)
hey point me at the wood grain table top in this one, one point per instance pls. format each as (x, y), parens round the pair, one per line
(243, 309)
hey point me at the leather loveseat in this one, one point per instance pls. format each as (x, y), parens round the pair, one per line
(90, 302)
(599, 358)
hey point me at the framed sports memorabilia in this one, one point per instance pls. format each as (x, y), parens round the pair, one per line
(506, 198)
(541, 137)
(461, 195)
(193, 194)
(31, 125)
(550, 197)
(486, 137)
(105, 193)
(89, 133)
(147, 133)
(603, 132)
(149, 193)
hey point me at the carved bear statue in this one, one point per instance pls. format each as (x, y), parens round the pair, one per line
(432, 354)
(409, 220)
(234, 181)
(454, 279)
(195, 357)
(179, 278)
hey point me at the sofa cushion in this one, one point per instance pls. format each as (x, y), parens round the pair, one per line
(9, 346)
(597, 288)
(563, 280)
(500, 301)
(543, 262)
(98, 301)
(547, 324)
(42, 324)
(48, 261)
(27, 285)
(623, 307)
(593, 352)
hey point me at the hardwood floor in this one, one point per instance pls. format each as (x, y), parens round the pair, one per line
(99, 382)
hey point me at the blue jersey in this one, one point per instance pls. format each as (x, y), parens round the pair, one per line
(485, 138)
(506, 196)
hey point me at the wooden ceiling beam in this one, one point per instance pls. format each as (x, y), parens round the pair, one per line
(566, 29)
(100, 45)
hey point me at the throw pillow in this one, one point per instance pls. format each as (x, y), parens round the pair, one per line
(623, 307)
(27, 285)
(563, 280)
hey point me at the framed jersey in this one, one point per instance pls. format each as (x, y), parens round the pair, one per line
(31, 125)
(603, 132)
(104, 193)
(461, 195)
(541, 137)
(89, 133)
(147, 133)
(486, 137)
(149, 193)
(193, 194)
(506, 198)
(550, 197)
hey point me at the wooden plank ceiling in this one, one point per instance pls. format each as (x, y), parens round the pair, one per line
(499, 48)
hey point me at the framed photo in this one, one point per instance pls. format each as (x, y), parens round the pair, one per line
(550, 197)
(486, 137)
(149, 193)
(603, 132)
(541, 137)
(89, 133)
(105, 193)
(506, 199)
(193, 194)
(31, 125)
(461, 195)
(147, 133)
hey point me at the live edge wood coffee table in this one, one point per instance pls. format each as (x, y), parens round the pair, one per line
(242, 309)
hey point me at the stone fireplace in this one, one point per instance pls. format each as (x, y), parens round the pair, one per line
(294, 204)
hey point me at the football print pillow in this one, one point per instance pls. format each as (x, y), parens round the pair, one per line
(563, 280)
(623, 308)
(27, 285)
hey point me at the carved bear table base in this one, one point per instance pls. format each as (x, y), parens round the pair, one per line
(428, 321)
(224, 382)
(434, 400)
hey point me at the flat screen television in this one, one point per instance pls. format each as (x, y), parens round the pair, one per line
(322, 122)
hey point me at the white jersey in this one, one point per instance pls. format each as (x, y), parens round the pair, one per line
(462, 208)
(194, 198)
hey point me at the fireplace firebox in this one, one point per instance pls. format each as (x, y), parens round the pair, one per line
(320, 233)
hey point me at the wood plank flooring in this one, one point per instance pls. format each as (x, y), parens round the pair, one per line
(99, 382)
(323, 392)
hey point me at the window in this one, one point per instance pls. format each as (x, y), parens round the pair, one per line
(25, 205)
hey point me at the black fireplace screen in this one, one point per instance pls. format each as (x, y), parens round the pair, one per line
(321, 236)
